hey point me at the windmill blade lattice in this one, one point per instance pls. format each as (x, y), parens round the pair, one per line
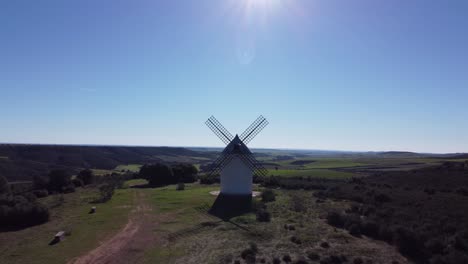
(219, 130)
(254, 164)
(218, 164)
(252, 131)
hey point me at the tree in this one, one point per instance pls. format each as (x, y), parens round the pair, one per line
(59, 180)
(4, 188)
(40, 182)
(185, 172)
(87, 176)
(158, 174)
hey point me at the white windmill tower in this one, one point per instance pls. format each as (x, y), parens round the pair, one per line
(236, 166)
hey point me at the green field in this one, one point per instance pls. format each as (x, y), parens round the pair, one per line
(99, 172)
(177, 228)
(313, 173)
(30, 245)
(129, 167)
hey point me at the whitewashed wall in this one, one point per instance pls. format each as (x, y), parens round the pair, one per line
(236, 178)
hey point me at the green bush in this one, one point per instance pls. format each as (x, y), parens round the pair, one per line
(41, 193)
(268, 196)
(59, 180)
(19, 211)
(4, 188)
(209, 179)
(263, 215)
(86, 176)
(180, 186)
(106, 191)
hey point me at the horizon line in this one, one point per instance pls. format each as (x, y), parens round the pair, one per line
(259, 148)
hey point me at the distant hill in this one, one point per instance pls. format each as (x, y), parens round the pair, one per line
(21, 162)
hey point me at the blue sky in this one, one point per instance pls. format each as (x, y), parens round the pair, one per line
(342, 75)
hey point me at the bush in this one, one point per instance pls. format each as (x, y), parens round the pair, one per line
(184, 172)
(263, 215)
(68, 189)
(40, 182)
(335, 219)
(158, 174)
(18, 211)
(210, 179)
(296, 240)
(268, 195)
(462, 191)
(106, 191)
(409, 244)
(249, 255)
(358, 260)
(41, 193)
(313, 256)
(370, 229)
(435, 246)
(382, 198)
(180, 186)
(86, 176)
(4, 188)
(58, 180)
(354, 230)
(287, 258)
(77, 182)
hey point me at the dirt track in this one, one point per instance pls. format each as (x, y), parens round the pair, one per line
(129, 244)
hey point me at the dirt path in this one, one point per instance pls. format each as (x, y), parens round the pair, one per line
(129, 244)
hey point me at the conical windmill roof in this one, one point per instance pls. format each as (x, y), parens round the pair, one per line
(236, 146)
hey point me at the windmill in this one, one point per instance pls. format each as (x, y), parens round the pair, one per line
(236, 166)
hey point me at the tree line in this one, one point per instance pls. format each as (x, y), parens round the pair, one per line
(160, 174)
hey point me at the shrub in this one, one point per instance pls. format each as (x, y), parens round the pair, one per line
(276, 260)
(358, 260)
(268, 196)
(184, 172)
(301, 260)
(158, 174)
(59, 180)
(18, 211)
(370, 229)
(354, 230)
(209, 179)
(41, 193)
(313, 256)
(435, 246)
(296, 240)
(287, 258)
(106, 191)
(4, 188)
(86, 176)
(335, 219)
(180, 186)
(263, 215)
(324, 244)
(77, 182)
(250, 253)
(430, 191)
(333, 259)
(382, 198)
(462, 191)
(408, 243)
(40, 182)
(68, 189)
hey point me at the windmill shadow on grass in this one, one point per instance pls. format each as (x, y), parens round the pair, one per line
(212, 222)
(236, 165)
